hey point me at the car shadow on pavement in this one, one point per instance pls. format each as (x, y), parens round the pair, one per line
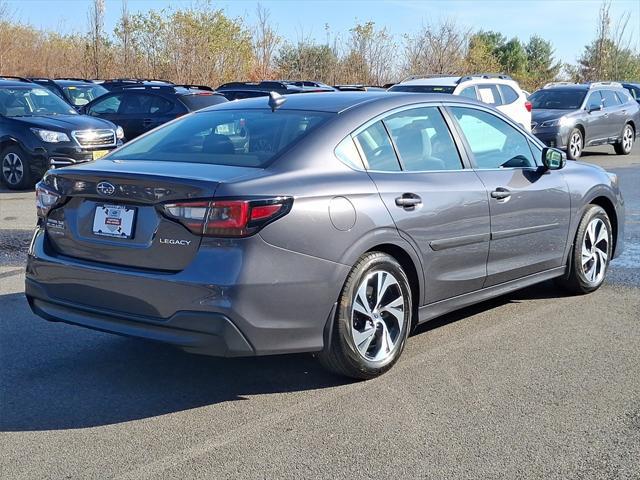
(55, 376)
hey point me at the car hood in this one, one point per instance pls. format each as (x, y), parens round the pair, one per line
(543, 114)
(65, 122)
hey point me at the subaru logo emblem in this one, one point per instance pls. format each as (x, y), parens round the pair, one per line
(105, 188)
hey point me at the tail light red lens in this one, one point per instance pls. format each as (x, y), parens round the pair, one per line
(45, 200)
(228, 218)
(528, 106)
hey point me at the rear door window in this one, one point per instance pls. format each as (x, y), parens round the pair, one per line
(610, 98)
(376, 147)
(489, 94)
(201, 100)
(423, 140)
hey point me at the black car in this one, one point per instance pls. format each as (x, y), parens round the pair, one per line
(240, 90)
(575, 116)
(39, 130)
(140, 107)
(76, 91)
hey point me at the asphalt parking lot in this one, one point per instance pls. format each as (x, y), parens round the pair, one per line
(533, 385)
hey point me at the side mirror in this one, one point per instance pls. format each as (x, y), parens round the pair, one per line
(595, 109)
(553, 159)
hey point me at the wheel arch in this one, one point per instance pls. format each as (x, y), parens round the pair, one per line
(407, 263)
(607, 205)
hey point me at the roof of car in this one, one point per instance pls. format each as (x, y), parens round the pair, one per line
(336, 102)
(17, 83)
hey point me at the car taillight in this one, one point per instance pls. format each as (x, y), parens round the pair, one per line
(528, 106)
(45, 200)
(228, 218)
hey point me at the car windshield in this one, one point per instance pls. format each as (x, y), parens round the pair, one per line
(558, 99)
(32, 102)
(423, 88)
(82, 94)
(246, 138)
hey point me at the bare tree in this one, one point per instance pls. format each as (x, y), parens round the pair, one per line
(96, 35)
(124, 33)
(265, 43)
(437, 49)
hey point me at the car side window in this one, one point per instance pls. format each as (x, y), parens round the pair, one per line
(489, 94)
(143, 104)
(508, 94)
(423, 140)
(347, 153)
(595, 101)
(469, 92)
(110, 104)
(377, 149)
(493, 142)
(610, 98)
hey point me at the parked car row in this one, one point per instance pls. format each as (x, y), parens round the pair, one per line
(564, 116)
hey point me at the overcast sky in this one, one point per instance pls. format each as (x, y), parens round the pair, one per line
(569, 24)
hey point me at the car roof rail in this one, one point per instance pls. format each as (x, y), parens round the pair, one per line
(500, 76)
(558, 84)
(142, 86)
(13, 77)
(606, 84)
(263, 85)
(75, 79)
(352, 88)
(426, 75)
(194, 86)
(40, 80)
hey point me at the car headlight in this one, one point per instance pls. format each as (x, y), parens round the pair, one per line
(50, 136)
(558, 122)
(119, 133)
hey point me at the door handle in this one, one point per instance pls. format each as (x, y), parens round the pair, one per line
(408, 201)
(500, 193)
(147, 121)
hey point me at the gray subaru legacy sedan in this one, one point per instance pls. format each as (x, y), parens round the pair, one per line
(330, 223)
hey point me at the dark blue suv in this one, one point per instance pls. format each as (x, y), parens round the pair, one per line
(139, 106)
(39, 130)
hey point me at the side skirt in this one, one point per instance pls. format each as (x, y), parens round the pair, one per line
(436, 309)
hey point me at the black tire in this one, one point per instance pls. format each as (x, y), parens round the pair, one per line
(343, 356)
(576, 280)
(15, 169)
(625, 145)
(575, 139)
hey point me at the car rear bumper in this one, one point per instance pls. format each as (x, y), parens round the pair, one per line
(195, 332)
(248, 298)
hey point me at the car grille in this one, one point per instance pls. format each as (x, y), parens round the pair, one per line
(95, 138)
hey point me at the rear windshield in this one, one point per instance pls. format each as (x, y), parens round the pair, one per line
(422, 88)
(246, 138)
(558, 99)
(201, 100)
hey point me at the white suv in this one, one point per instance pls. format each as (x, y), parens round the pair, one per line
(501, 91)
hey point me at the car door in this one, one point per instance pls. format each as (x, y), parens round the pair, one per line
(107, 107)
(613, 113)
(437, 205)
(595, 121)
(529, 205)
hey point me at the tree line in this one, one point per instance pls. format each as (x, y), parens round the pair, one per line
(202, 44)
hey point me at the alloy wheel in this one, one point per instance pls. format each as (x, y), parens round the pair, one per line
(595, 251)
(575, 144)
(627, 138)
(378, 316)
(12, 168)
